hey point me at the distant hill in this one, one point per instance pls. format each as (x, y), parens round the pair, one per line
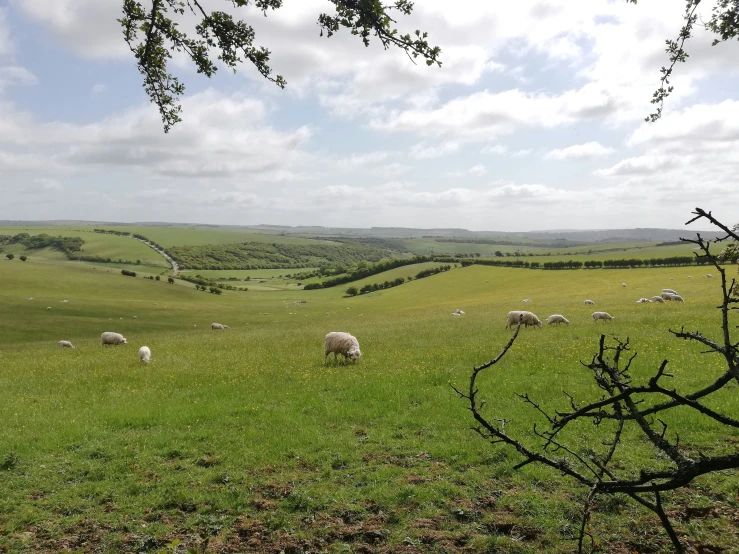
(317, 231)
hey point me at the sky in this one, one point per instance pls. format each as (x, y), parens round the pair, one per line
(535, 120)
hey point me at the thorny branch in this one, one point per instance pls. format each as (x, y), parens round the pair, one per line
(628, 404)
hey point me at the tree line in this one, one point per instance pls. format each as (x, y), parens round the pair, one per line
(672, 261)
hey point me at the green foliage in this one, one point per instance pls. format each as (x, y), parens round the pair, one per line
(367, 270)
(258, 255)
(67, 245)
(23, 258)
(170, 280)
(10, 256)
(156, 278)
(152, 35)
(128, 273)
(352, 291)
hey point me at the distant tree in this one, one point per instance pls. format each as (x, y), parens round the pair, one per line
(23, 258)
(170, 280)
(9, 256)
(477, 254)
(153, 32)
(352, 291)
(498, 254)
(138, 262)
(157, 277)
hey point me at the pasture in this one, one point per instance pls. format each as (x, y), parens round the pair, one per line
(246, 439)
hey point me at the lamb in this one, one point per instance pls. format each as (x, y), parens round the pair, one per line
(145, 354)
(65, 344)
(341, 343)
(557, 318)
(526, 318)
(677, 298)
(590, 302)
(658, 299)
(709, 276)
(458, 312)
(112, 339)
(643, 301)
(605, 316)
(623, 284)
(218, 326)
(527, 299)
(670, 291)
(455, 313)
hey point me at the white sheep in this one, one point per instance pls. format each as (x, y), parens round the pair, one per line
(455, 313)
(605, 316)
(658, 299)
(667, 296)
(527, 300)
(526, 319)
(677, 298)
(218, 326)
(145, 354)
(459, 312)
(557, 318)
(643, 301)
(65, 301)
(48, 307)
(708, 275)
(30, 298)
(341, 343)
(670, 291)
(590, 302)
(65, 344)
(134, 317)
(112, 339)
(623, 284)
(689, 277)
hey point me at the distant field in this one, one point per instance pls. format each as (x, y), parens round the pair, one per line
(244, 273)
(244, 436)
(176, 236)
(96, 244)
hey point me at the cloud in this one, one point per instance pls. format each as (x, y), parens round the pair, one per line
(586, 151)
(422, 151)
(98, 88)
(494, 149)
(474, 171)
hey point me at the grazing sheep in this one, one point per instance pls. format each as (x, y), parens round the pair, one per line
(527, 299)
(65, 344)
(623, 284)
(526, 319)
(557, 318)
(30, 298)
(667, 296)
(112, 339)
(134, 317)
(672, 278)
(590, 302)
(65, 301)
(605, 316)
(145, 354)
(48, 307)
(341, 343)
(670, 291)
(658, 299)
(455, 313)
(689, 277)
(218, 326)
(677, 298)
(458, 312)
(709, 276)
(643, 301)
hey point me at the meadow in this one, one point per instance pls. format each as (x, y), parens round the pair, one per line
(244, 439)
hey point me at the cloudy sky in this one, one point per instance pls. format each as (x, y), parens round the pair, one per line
(534, 121)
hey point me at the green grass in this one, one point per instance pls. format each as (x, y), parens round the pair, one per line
(225, 433)
(244, 273)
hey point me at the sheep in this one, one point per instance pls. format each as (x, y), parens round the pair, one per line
(623, 284)
(218, 326)
(527, 300)
(689, 277)
(65, 344)
(145, 354)
(557, 318)
(341, 343)
(455, 313)
(709, 276)
(134, 317)
(526, 318)
(65, 301)
(658, 299)
(670, 291)
(590, 302)
(677, 298)
(112, 339)
(672, 278)
(30, 298)
(605, 316)
(643, 301)
(458, 312)
(667, 296)
(48, 307)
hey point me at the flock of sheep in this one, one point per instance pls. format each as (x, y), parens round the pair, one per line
(336, 342)
(527, 318)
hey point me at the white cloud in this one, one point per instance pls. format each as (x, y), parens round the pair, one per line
(494, 149)
(474, 171)
(523, 153)
(422, 151)
(586, 151)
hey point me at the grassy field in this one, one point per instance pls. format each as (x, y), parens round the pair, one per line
(244, 273)
(245, 437)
